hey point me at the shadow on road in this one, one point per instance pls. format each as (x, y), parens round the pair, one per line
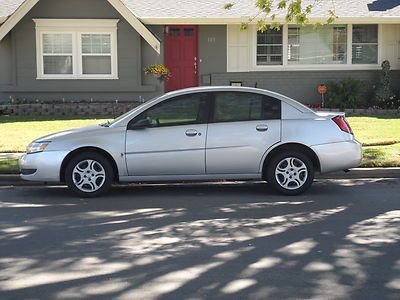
(203, 241)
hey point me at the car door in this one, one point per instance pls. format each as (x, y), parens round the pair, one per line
(243, 126)
(174, 142)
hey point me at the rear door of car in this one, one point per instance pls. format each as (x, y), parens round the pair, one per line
(242, 127)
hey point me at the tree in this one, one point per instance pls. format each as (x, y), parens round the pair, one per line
(295, 12)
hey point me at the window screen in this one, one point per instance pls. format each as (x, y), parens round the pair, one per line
(57, 53)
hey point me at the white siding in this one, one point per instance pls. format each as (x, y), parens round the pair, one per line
(391, 45)
(238, 52)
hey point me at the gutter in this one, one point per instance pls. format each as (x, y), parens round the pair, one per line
(245, 19)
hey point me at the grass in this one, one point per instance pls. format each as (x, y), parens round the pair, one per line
(376, 130)
(17, 132)
(381, 156)
(9, 166)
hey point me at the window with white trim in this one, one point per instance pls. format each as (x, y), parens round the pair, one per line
(76, 49)
(365, 44)
(326, 45)
(269, 47)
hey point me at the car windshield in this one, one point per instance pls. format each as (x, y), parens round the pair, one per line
(109, 123)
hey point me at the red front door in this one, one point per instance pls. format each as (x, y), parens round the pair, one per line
(181, 49)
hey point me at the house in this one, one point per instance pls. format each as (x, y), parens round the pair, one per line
(97, 49)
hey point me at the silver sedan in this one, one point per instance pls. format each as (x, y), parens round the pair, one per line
(207, 133)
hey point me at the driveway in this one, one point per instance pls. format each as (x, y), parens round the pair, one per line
(202, 241)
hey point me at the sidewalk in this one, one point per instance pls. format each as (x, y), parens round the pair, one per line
(357, 173)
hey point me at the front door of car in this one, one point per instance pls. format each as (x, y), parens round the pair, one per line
(244, 125)
(169, 138)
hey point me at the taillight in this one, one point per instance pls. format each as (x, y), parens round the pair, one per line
(342, 124)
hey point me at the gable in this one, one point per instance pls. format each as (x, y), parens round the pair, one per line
(25, 6)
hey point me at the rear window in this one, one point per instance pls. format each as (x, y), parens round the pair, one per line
(238, 106)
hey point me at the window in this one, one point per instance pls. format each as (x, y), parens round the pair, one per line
(365, 44)
(96, 53)
(57, 53)
(325, 45)
(76, 49)
(237, 106)
(269, 47)
(187, 109)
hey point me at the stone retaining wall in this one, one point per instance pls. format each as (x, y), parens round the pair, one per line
(365, 112)
(118, 108)
(71, 108)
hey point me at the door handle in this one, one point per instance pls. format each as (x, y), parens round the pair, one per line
(262, 127)
(191, 132)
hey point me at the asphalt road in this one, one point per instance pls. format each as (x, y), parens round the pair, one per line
(202, 241)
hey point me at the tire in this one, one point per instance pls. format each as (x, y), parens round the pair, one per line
(290, 173)
(89, 174)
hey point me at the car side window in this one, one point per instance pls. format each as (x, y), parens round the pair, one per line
(242, 106)
(182, 110)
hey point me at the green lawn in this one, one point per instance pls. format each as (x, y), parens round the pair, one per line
(17, 132)
(9, 166)
(374, 130)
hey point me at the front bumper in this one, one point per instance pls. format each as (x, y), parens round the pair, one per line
(42, 166)
(339, 156)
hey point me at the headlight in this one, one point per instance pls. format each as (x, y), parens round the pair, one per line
(36, 147)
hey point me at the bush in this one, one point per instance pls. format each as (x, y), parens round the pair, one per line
(346, 93)
(385, 98)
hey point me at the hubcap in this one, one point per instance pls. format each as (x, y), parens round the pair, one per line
(291, 173)
(88, 175)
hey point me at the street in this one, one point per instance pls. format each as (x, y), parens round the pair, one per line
(341, 240)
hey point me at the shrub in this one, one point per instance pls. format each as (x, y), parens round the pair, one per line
(385, 98)
(346, 93)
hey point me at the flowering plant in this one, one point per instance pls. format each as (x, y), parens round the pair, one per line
(160, 72)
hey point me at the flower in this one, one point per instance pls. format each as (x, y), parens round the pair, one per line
(160, 72)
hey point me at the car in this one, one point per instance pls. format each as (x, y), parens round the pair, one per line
(199, 134)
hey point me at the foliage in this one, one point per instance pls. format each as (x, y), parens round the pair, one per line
(9, 166)
(345, 94)
(385, 98)
(295, 12)
(160, 72)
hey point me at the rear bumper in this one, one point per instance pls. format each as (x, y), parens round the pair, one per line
(339, 156)
(42, 166)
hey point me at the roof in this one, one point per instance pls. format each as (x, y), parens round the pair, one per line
(212, 11)
(151, 10)
(8, 7)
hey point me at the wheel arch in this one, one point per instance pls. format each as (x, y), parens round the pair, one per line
(291, 147)
(88, 149)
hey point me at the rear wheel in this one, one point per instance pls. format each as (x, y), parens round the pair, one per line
(89, 174)
(290, 173)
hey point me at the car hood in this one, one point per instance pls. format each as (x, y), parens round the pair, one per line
(75, 131)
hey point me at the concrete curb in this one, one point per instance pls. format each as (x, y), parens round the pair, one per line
(357, 173)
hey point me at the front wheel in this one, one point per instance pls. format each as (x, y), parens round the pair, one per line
(89, 174)
(290, 173)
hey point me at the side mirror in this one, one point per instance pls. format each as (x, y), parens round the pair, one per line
(141, 124)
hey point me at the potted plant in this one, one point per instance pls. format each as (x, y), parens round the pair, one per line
(158, 71)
